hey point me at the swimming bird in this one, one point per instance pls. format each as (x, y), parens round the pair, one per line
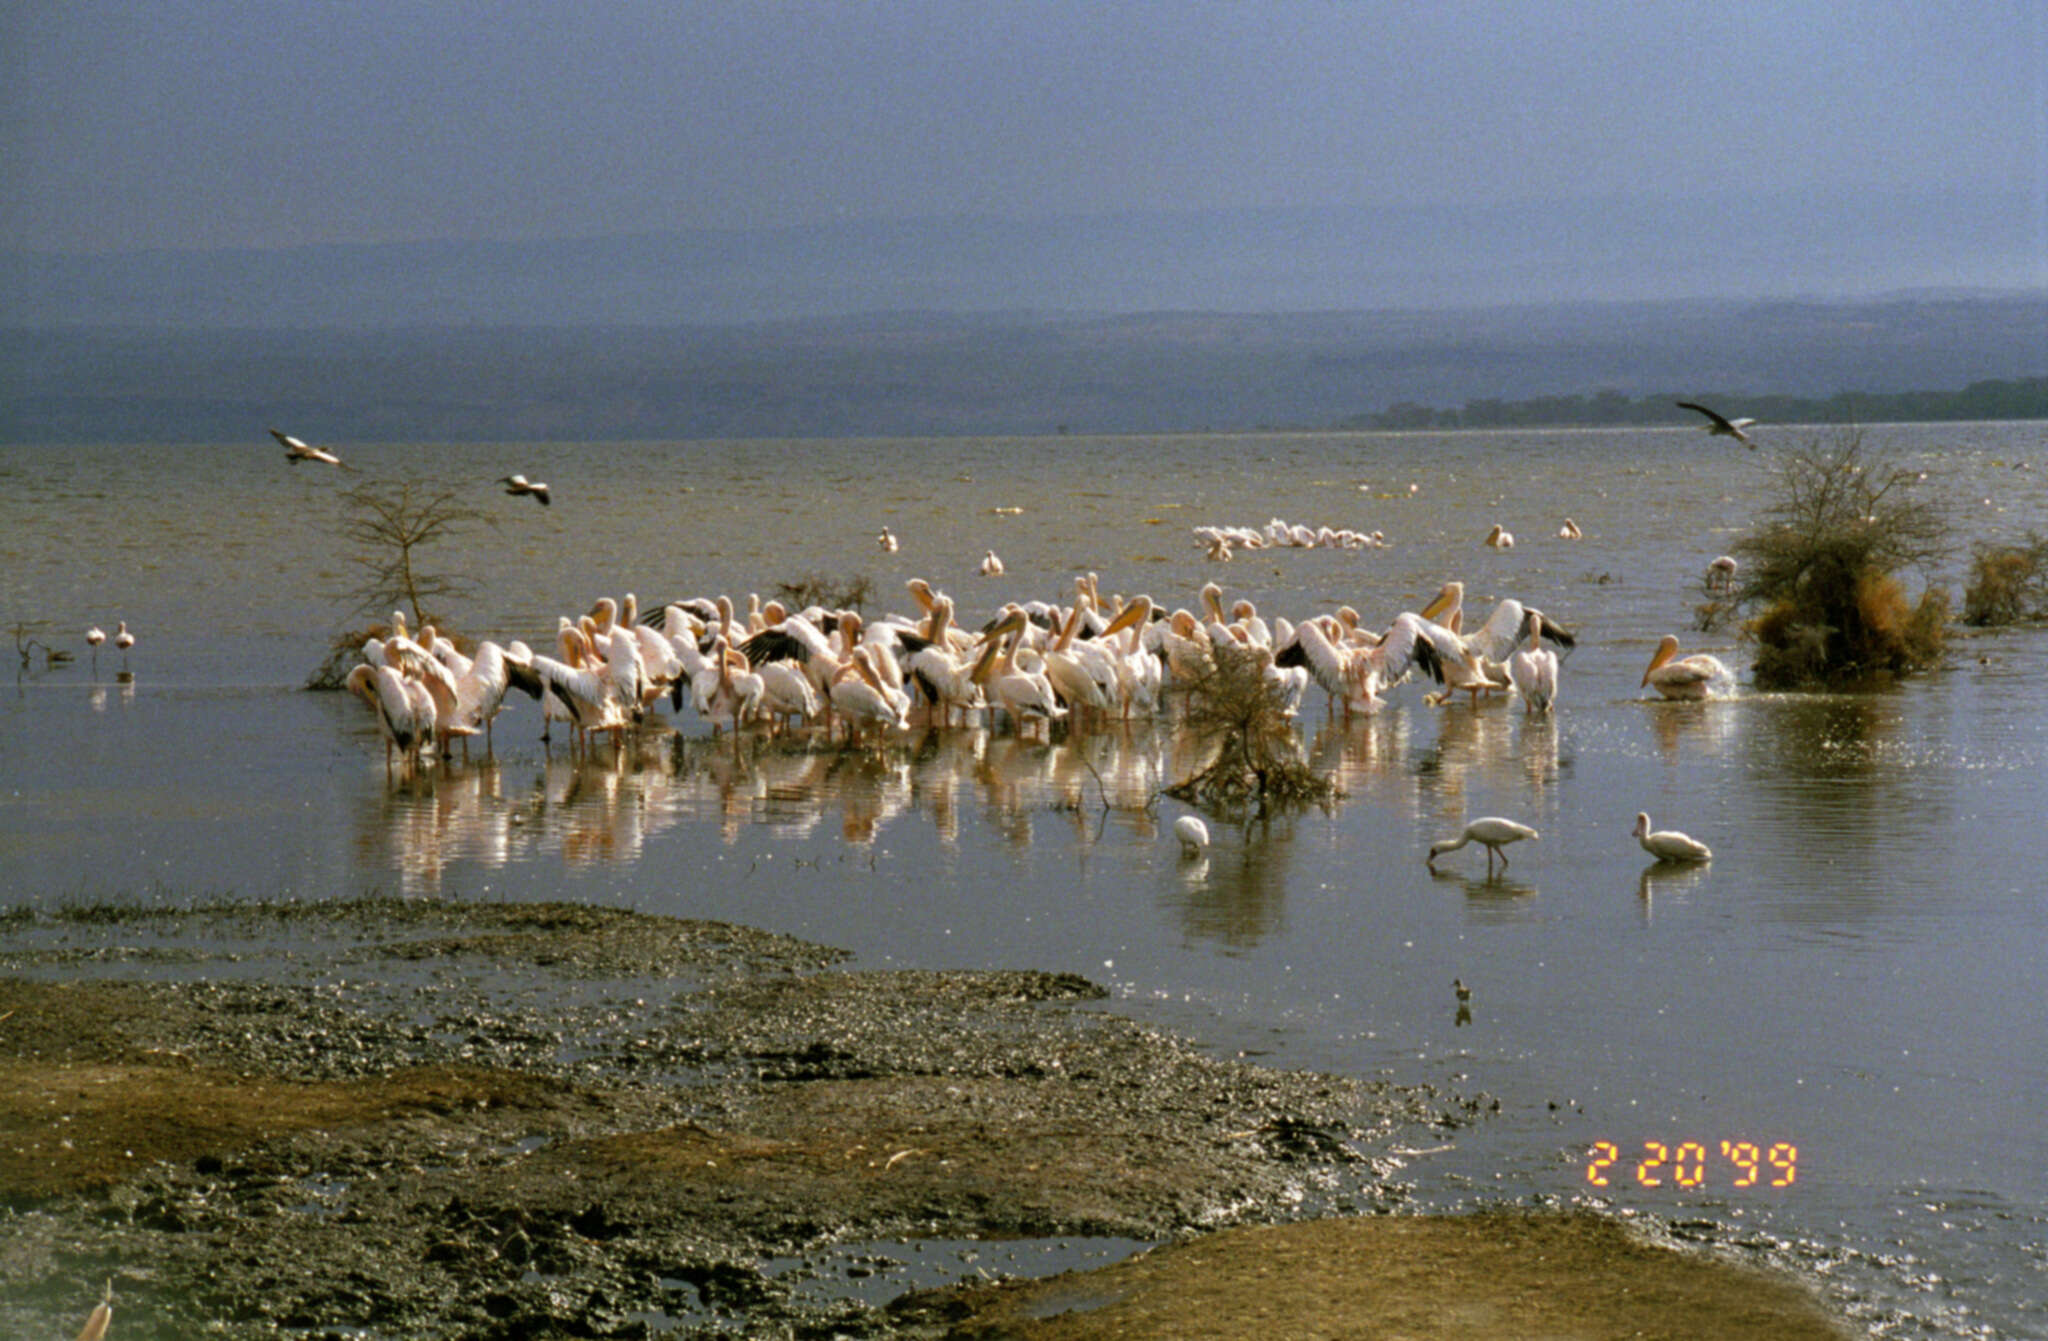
(887, 541)
(1719, 426)
(1668, 844)
(1679, 677)
(296, 451)
(1570, 530)
(1493, 832)
(1464, 992)
(1500, 537)
(991, 566)
(516, 485)
(1193, 835)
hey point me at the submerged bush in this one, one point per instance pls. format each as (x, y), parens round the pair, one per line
(1239, 717)
(2008, 583)
(1822, 567)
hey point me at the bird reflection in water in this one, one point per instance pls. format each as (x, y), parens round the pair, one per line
(1665, 878)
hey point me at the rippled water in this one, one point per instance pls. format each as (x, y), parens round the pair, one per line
(1857, 974)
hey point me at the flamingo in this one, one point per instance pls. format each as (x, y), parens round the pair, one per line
(518, 485)
(1685, 677)
(1492, 831)
(1719, 426)
(1668, 844)
(296, 451)
(1193, 835)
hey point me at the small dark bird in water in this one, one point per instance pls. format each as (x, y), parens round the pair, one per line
(517, 485)
(1464, 992)
(1717, 425)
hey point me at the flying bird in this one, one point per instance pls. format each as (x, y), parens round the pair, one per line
(516, 485)
(1668, 844)
(296, 451)
(1492, 832)
(1718, 426)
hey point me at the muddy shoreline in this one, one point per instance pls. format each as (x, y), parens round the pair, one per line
(384, 1118)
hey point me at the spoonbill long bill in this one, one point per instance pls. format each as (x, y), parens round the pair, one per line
(1668, 844)
(1193, 835)
(1493, 832)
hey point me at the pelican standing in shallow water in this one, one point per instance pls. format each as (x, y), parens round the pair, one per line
(1193, 835)
(1668, 844)
(1493, 832)
(1679, 677)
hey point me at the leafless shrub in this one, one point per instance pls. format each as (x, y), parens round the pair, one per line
(2008, 583)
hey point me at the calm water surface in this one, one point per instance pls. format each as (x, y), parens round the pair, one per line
(1858, 973)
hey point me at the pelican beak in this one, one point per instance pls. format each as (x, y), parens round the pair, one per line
(1134, 613)
(1440, 603)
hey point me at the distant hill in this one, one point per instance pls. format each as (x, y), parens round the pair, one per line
(1001, 373)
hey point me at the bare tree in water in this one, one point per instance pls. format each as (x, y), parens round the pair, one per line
(392, 523)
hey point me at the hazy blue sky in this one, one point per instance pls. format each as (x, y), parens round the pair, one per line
(204, 124)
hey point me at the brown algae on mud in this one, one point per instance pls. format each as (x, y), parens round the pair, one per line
(433, 1119)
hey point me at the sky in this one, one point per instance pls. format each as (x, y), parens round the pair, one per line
(207, 124)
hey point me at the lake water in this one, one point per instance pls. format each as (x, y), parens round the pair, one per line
(1858, 974)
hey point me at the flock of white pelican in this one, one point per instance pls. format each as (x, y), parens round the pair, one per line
(1222, 541)
(1086, 662)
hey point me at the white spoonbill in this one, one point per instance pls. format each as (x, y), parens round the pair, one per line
(296, 451)
(1493, 832)
(1668, 844)
(1718, 425)
(1679, 677)
(519, 486)
(1193, 835)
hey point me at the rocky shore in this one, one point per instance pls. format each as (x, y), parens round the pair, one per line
(384, 1118)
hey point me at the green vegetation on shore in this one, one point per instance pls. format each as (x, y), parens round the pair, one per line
(2025, 398)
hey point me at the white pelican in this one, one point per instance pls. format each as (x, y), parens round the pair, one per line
(1718, 426)
(991, 566)
(101, 1317)
(1685, 677)
(1492, 831)
(887, 541)
(1500, 537)
(1668, 844)
(397, 713)
(858, 694)
(296, 451)
(124, 640)
(1534, 668)
(1721, 573)
(1193, 835)
(94, 636)
(516, 485)
(1570, 530)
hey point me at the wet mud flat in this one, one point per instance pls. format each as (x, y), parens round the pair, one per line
(385, 1118)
